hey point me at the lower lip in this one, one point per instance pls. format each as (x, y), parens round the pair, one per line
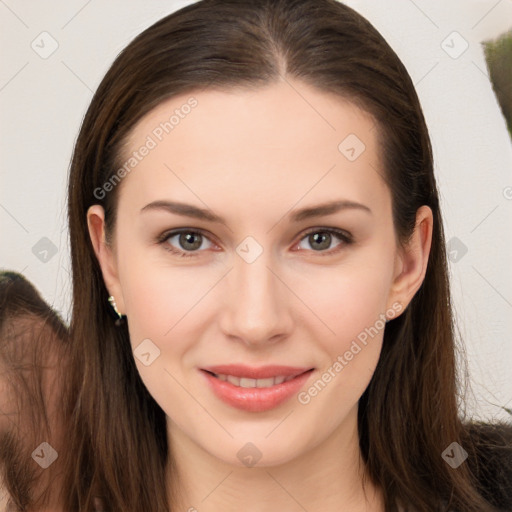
(256, 399)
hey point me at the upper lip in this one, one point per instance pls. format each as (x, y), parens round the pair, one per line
(262, 372)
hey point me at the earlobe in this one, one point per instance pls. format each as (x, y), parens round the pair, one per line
(104, 253)
(413, 259)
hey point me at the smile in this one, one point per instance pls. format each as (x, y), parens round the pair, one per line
(255, 389)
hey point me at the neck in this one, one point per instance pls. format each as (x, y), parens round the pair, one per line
(328, 477)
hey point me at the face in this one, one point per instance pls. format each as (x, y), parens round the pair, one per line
(274, 282)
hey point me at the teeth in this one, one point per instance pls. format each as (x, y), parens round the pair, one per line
(247, 383)
(244, 382)
(265, 383)
(234, 380)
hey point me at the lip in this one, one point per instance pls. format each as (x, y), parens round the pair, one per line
(256, 399)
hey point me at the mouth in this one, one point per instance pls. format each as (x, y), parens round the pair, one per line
(255, 389)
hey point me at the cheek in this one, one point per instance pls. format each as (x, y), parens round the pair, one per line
(157, 301)
(353, 307)
(346, 300)
(350, 302)
(157, 294)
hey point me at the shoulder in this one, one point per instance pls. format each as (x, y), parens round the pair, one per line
(491, 461)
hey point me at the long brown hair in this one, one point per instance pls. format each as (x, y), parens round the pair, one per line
(33, 371)
(408, 415)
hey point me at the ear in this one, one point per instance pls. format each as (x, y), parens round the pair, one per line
(411, 260)
(105, 254)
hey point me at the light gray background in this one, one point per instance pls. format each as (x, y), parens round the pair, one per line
(43, 100)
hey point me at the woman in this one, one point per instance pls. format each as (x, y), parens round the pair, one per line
(299, 355)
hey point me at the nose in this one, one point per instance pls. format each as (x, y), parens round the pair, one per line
(256, 306)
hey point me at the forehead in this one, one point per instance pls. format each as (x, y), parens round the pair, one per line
(283, 137)
(260, 114)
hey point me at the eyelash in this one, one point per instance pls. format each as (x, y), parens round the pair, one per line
(344, 236)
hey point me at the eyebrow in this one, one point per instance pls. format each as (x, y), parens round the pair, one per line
(195, 212)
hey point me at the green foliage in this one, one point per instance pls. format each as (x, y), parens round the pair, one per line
(498, 54)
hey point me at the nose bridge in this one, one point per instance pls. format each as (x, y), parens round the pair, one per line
(255, 309)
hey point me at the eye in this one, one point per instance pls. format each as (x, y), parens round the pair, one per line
(321, 238)
(190, 241)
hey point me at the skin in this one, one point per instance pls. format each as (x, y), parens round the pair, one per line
(254, 157)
